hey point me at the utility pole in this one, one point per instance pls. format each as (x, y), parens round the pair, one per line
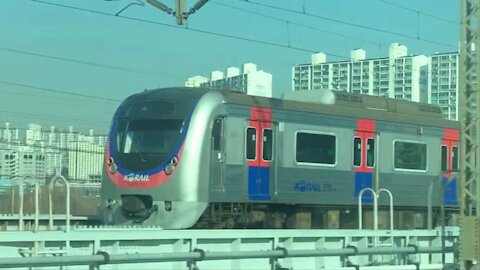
(470, 135)
(180, 13)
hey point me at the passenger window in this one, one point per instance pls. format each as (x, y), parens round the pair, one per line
(267, 145)
(315, 148)
(455, 157)
(371, 153)
(216, 134)
(251, 143)
(357, 151)
(444, 158)
(410, 155)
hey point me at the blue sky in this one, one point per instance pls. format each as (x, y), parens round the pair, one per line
(115, 57)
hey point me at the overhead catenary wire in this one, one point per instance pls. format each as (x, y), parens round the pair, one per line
(49, 117)
(44, 89)
(370, 28)
(419, 12)
(273, 44)
(62, 149)
(84, 62)
(289, 22)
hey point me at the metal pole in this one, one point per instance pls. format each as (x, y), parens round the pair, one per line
(469, 75)
(375, 208)
(429, 203)
(391, 205)
(67, 203)
(20, 209)
(377, 162)
(37, 210)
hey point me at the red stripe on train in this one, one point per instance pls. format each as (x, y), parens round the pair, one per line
(260, 118)
(365, 130)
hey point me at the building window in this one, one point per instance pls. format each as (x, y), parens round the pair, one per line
(410, 155)
(315, 148)
(251, 143)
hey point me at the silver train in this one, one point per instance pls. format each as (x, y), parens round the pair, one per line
(186, 157)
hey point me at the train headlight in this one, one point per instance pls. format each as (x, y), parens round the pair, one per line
(169, 168)
(174, 161)
(112, 167)
(111, 203)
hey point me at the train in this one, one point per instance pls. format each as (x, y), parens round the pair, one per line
(200, 158)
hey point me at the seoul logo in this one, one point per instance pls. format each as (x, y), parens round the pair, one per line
(136, 177)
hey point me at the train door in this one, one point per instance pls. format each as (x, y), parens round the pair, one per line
(449, 164)
(259, 153)
(217, 161)
(364, 144)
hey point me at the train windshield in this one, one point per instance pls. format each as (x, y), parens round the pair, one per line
(144, 144)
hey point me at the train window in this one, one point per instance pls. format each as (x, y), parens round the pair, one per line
(316, 148)
(410, 155)
(455, 159)
(217, 134)
(370, 153)
(251, 143)
(267, 145)
(357, 151)
(444, 158)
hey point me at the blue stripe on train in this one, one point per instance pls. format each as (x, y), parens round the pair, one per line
(449, 191)
(258, 183)
(363, 180)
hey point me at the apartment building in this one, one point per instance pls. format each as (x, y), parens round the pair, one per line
(249, 80)
(397, 76)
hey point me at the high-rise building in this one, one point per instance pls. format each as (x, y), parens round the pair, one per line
(85, 159)
(250, 81)
(443, 83)
(397, 76)
(8, 136)
(195, 81)
(44, 153)
(25, 163)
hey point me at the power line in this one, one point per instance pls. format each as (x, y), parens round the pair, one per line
(419, 12)
(60, 149)
(47, 116)
(187, 29)
(59, 91)
(77, 61)
(295, 23)
(348, 23)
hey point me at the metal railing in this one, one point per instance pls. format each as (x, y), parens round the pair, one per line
(375, 195)
(21, 196)
(451, 177)
(197, 255)
(67, 203)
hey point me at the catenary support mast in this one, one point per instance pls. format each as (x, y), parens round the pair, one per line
(470, 135)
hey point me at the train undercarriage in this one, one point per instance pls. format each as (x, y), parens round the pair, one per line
(255, 216)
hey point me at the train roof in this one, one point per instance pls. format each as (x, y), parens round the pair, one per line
(320, 101)
(353, 105)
